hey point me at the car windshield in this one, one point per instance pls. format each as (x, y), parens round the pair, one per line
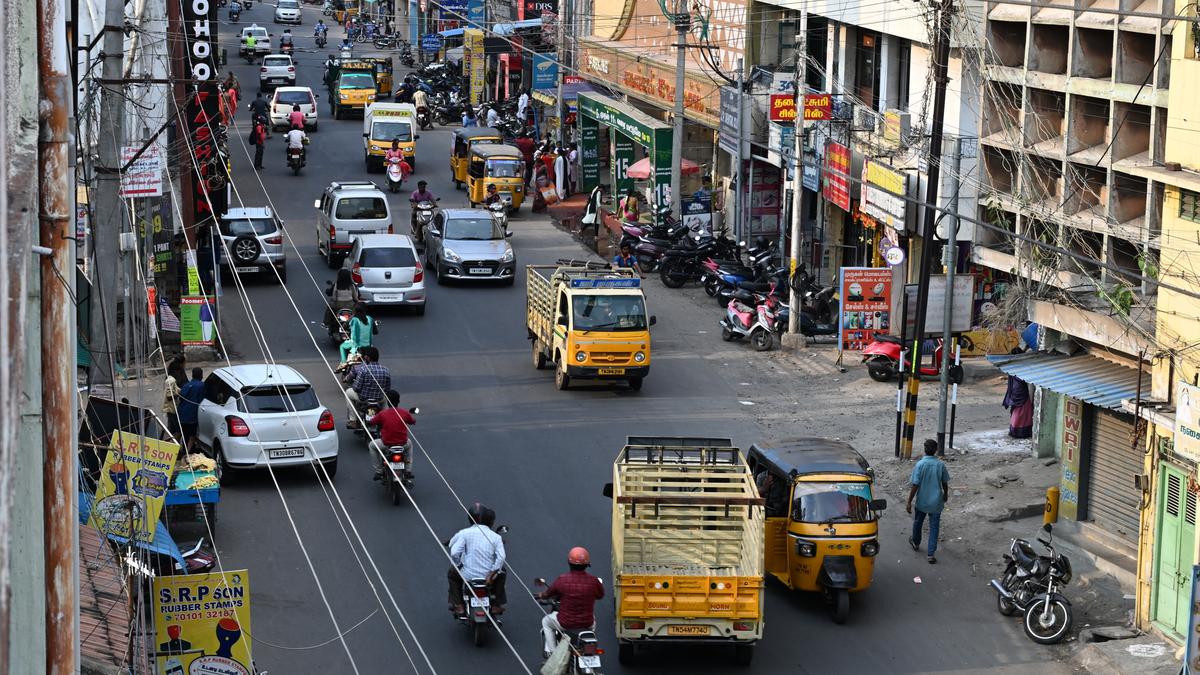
(276, 61)
(832, 503)
(357, 81)
(387, 257)
(239, 226)
(476, 229)
(288, 4)
(506, 168)
(361, 208)
(608, 312)
(294, 97)
(278, 399)
(388, 131)
(258, 33)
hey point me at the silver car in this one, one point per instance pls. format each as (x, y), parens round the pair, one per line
(288, 11)
(387, 271)
(253, 241)
(467, 244)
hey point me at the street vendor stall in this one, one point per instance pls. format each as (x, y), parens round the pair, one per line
(194, 493)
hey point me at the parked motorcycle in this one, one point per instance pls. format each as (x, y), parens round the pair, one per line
(751, 316)
(1031, 584)
(398, 475)
(385, 41)
(394, 176)
(882, 357)
(406, 55)
(683, 264)
(585, 647)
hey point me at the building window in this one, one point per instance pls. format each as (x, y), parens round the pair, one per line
(866, 68)
(1189, 205)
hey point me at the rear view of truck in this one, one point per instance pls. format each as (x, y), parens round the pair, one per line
(687, 530)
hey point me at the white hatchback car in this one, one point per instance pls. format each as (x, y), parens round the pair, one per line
(285, 97)
(276, 69)
(255, 415)
(288, 11)
(387, 270)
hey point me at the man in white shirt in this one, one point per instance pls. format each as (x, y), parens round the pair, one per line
(295, 139)
(523, 105)
(492, 116)
(477, 552)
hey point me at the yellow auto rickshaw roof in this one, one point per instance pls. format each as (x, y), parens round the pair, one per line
(807, 456)
(378, 59)
(469, 133)
(496, 151)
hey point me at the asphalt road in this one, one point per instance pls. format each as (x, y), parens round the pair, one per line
(500, 433)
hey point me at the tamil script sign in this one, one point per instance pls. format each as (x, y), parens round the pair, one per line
(202, 624)
(142, 177)
(783, 108)
(837, 175)
(866, 306)
(132, 486)
(817, 107)
(1187, 421)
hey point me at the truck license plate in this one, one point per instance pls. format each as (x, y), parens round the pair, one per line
(687, 630)
(283, 453)
(612, 371)
(479, 270)
(589, 662)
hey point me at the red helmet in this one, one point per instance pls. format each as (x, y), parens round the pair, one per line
(579, 556)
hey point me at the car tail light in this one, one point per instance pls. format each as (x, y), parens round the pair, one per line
(419, 275)
(291, 69)
(263, 69)
(326, 423)
(236, 426)
(332, 233)
(390, 231)
(743, 625)
(397, 457)
(356, 273)
(274, 241)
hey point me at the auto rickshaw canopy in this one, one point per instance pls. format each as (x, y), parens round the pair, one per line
(809, 456)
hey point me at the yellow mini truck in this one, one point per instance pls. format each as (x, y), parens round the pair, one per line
(353, 89)
(687, 555)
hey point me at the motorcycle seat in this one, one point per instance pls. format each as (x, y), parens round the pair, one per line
(743, 295)
(880, 337)
(1027, 558)
(755, 286)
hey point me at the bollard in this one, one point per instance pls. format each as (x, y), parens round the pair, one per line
(1051, 514)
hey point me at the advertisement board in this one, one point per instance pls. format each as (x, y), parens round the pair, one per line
(197, 319)
(783, 108)
(935, 308)
(199, 17)
(476, 64)
(817, 108)
(132, 486)
(202, 624)
(545, 71)
(883, 191)
(142, 177)
(1187, 421)
(866, 309)
(836, 170)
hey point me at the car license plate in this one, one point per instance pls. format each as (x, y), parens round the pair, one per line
(283, 453)
(247, 269)
(589, 662)
(612, 371)
(397, 466)
(388, 298)
(479, 270)
(687, 630)
(479, 602)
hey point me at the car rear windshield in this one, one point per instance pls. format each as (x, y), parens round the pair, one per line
(276, 61)
(361, 208)
(258, 33)
(293, 97)
(279, 399)
(240, 226)
(387, 257)
(288, 4)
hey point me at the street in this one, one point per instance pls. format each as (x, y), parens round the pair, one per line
(494, 429)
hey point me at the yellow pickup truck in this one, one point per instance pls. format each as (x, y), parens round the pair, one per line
(687, 553)
(589, 320)
(351, 87)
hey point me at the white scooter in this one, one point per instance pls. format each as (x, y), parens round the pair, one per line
(394, 176)
(499, 211)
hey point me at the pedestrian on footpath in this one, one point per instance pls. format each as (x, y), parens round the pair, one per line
(189, 407)
(258, 137)
(931, 488)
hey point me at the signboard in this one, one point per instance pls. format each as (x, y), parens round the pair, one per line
(621, 152)
(837, 175)
(202, 624)
(866, 305)
(475, 12)
(895, 126)
(1072, 439)
(199, 17)
(431, 43)
(476, 64)
(935, 309)
(883, 189)
(1187, 421)
(817, 108)
(783, 108)
(781, 143)
(197, 319)
(142, 178)
(589, 160)
(132, 486)
(532, 9)
(729, 120)
(545, 71)
(643, 78)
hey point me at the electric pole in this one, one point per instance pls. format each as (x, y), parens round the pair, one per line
(683, 23)
(739, 227)
(559, 53)
(107, 206)
(950, 260)
(794, 338)
(941, 59)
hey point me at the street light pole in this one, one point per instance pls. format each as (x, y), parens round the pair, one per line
(682, 25)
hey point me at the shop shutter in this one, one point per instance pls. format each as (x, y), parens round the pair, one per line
(1113, 499)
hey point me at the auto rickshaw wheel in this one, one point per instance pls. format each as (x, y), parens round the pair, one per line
(841, 607)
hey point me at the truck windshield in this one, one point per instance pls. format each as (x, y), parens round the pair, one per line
(608, 312)
(832, 503)
(388, 131)
(506, 168)
(357, 81)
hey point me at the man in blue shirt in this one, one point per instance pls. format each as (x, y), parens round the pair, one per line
(931, 487)
(189, 407)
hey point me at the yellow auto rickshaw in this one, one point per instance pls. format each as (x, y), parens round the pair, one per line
(465, 139)
(822, 521)
(344, 9)
(383, 74)
(499, 165)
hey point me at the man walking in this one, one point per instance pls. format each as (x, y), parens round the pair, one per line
(258, 136)
(931, 487)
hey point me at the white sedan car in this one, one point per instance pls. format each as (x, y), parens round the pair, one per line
(254, 415)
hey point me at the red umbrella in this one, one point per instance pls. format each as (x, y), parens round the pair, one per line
(640, 170)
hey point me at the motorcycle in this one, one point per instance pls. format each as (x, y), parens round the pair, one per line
(339, 331)
(385, 41)
(882, 357)
(247, 4)
(329, 8)
(322, 40)
(287, 48)
(729, 274)
(1031, 584)
(398, 474)
(585, 647)
(477, 599)
(423, 122)
(422, 216)
(295, 160)
(683, 264)
(754, 321)
(406, 55)
(235, 16)
(394, 176)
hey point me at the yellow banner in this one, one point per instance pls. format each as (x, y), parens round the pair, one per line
(202, 624)
(133, 485)
(476, 64)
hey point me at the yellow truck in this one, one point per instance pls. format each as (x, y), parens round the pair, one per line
(589, 321)
(351, 86)
(384, 123)
(687, 553)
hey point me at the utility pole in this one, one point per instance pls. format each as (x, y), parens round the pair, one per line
(107, 204)
(793, 337)
(559, 107)
(941, 62)
(950, 260)
(683, 23)
(739, 227)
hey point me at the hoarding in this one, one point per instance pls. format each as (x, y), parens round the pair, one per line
(132, 486)
(836, 171)
(202, 624)
(866, 308)
(1187, 421)
(142, 177)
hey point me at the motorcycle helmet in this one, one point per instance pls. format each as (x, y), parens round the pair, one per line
(579, 556)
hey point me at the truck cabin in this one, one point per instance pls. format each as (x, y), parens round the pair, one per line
(607, 305)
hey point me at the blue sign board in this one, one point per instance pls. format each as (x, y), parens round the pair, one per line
(431, 42)
(456, 7)
(475, 12)
(620, 282)
(545, 71)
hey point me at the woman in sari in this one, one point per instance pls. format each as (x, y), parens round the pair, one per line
(1020, 408)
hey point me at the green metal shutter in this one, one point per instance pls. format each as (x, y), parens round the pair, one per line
(1113, 500)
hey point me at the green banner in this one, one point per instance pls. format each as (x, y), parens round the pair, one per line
(197, 319)
(622, 158)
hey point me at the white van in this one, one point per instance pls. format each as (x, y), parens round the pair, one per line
(385, 122)
(346, 210)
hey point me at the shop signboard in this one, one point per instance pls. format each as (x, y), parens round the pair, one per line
(532, 9)
(781, 143)
(836, 169)
(895, 126)
(1187, 421)
(1072, 442)
(475, 12)
(812, 172)
(199, 19)
(589, 163)
(765, 201)
(545, 71)
(197, 319)
(639, 127)
(652, 82)
(817, 108)
(783, 108)
(883, 191)
(473, 53)
(621, 151)
(202, 624)
(142, 177)
(728, 131)
(431, 43)
(935, 308)
(866, 309)
(132, 486)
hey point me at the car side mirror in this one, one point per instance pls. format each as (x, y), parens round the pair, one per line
(507, 234)
(653, 319)
(608, 490)
(416, 137)
(316, 203)
(877, 504)
(364, 134)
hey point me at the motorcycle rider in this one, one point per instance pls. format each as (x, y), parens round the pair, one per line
(296, 117)
(421, 194)
(320, 28)
(285, 40)
(258, 111)
(250, 44)
(421, 100)
(235, 10)
(371, 380)
(343, 294)
(297, 139)
(393, 422)
(477, 552)
(396, 153)
(492, 197)
(577, 593)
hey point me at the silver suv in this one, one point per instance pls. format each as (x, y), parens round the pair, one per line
(276, 69)
(254, 241)
(467, 244)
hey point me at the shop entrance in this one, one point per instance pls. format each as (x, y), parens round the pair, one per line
(629, 127)
(1174, 551)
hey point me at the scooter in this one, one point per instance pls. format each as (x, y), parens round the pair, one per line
(1030, 585)
(499, 212)
(394, 177)
(398, 474)
(882, 357)
(340, 330)
(755, 321)
(585, 647)
(422, 216)
(423, 121)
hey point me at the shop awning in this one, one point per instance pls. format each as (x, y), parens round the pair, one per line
(510, 28)
(452, 33)
(1087, 378)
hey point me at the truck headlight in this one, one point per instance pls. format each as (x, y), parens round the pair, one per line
(450, 256)
(508, 256)
(580, 357)
(870, 548)
(639, 357)
(806, 549)
(343, 96)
